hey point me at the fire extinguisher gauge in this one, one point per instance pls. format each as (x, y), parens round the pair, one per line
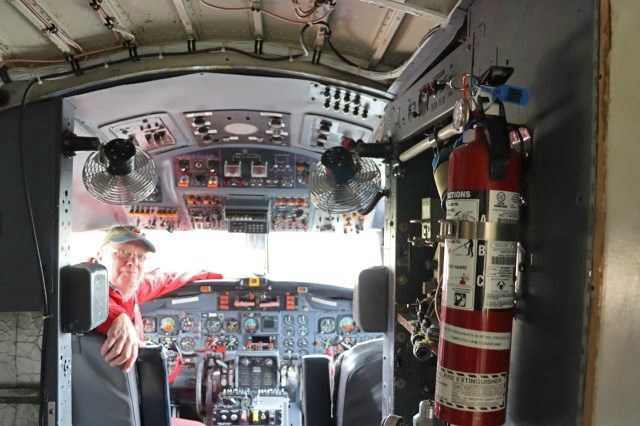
(460, 114)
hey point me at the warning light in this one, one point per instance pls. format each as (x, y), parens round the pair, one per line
(205, 289)
(254, 282)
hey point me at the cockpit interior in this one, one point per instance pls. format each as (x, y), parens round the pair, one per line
(418, 210)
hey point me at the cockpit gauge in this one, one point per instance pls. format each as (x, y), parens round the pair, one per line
(188, 344)
(232, 343)
(187, 324)
(325, 343)
(303, 330)
(347, 325)
(302, 343)
(231, 325)
(288, 319)
(303, 352)
(288, 343)
(168, 325)
(302, 319)
(289, 331)
(211, 342)
(327, 325)
(250, 324)
(149, 324)
(213, 325)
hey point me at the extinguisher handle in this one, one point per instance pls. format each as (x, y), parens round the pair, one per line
(497, 135)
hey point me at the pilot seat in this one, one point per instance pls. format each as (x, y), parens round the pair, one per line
(106, 396)
(349, 391)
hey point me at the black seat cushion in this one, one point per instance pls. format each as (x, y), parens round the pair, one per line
(357, 387)
(316, 390)
(105, 395)
(101, 395)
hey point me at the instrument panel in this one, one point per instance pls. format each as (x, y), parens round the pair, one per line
(292, 324)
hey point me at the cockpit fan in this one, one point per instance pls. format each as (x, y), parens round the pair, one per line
(119, 173)
(345, 182)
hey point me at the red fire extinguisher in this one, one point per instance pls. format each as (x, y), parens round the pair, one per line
(478, 281)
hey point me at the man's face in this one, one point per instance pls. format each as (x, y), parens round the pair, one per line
(124, 266)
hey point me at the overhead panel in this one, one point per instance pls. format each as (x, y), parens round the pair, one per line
(321, 132)
(150, 132)
(239, 126)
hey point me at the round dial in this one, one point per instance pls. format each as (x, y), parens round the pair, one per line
(289, 331)
(325, 343)
(230, 325)
(302, 343)
(302, 319)
(303, 330)
(149, 324)
(347, 325)
(168, 325)
(288, 343)
(288, 319)
(327, 325)
(213, 325)
(211, 342)
(250, 324)
(188, 344)
(303, 352)
(187, 324)
(232, 343)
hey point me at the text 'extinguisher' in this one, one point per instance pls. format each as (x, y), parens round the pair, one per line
(478, 279)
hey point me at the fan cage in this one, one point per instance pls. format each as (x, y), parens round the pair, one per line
(119, 190)
(356, 194)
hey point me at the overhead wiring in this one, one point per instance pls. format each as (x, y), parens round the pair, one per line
(50, 26)
(214, 6)
(265, 12)
(338, 61)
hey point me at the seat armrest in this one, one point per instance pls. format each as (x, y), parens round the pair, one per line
(316, 390)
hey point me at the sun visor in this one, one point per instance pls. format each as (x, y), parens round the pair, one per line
(371, 298)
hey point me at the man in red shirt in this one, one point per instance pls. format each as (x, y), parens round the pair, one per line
(124, 251)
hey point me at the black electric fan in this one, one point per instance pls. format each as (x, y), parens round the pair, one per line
(118, 172)
(344, 182)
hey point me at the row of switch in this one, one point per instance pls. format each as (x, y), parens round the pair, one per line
(247, 417)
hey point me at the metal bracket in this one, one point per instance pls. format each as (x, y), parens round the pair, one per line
(468, 230)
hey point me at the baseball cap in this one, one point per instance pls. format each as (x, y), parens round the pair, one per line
(125, 234)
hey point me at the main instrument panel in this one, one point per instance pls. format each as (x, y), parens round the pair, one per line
(258, 330)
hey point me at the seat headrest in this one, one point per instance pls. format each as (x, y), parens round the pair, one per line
(371, 299)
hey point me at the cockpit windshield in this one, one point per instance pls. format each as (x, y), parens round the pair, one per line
(333, 258)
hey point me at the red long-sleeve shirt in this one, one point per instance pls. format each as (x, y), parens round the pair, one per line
(153, 285)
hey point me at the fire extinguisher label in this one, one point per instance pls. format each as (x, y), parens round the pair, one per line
(475, 338)
(481, 273)
(499, 288)
(471, 392)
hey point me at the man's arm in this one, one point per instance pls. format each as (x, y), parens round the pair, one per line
(121, 346)
(156, 283)
(115, 311)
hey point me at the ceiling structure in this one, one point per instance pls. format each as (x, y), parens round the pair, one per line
(367, 42)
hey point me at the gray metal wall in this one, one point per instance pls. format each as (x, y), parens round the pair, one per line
(48, 177)
(552, 46)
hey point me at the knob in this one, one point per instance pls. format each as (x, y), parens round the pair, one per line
(199, 120)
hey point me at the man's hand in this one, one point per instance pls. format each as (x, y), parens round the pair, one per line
(121, 346)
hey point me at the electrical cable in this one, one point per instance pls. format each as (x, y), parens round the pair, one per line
(45, 297)
(34, 234)
(224, 8)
